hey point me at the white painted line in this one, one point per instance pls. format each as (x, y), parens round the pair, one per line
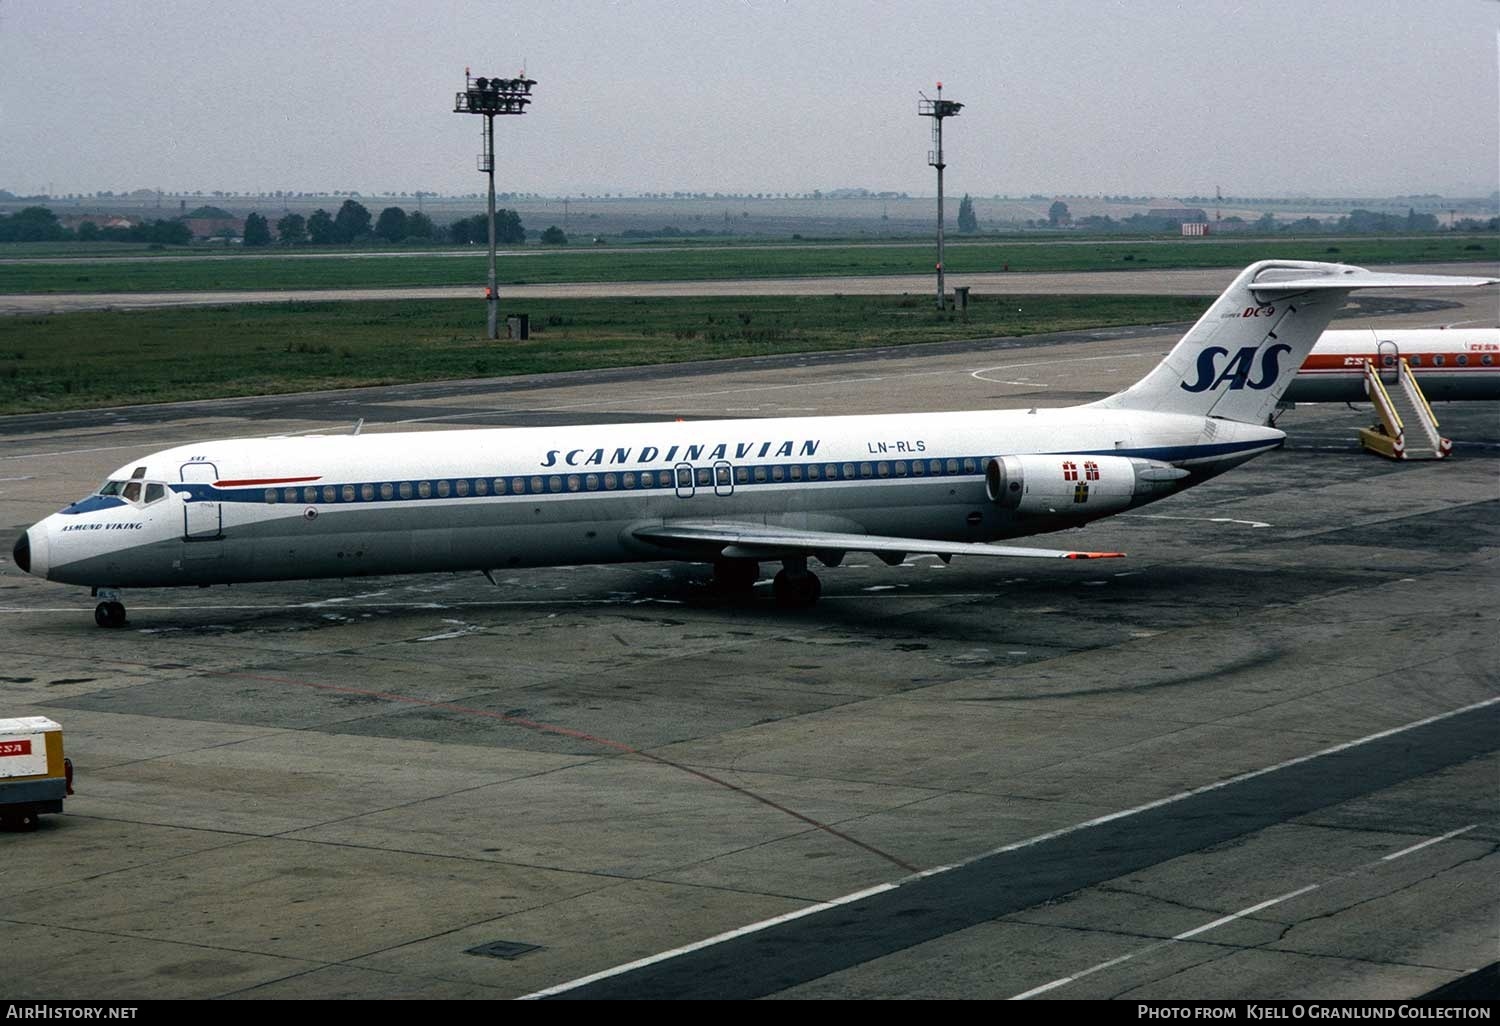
(1208, 520)
(1029, 842)
(709, 942)
(1242, 913)
(1430, 841)
(69, 452)
(980, 374)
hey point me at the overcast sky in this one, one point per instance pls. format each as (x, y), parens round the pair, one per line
(1320, 97)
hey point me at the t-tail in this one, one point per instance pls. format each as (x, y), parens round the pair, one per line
(1236, 362)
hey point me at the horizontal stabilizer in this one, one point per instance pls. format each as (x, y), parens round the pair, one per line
(758, 541)
(1360, 278)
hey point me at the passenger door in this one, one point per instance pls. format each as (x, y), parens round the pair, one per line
(202, 518)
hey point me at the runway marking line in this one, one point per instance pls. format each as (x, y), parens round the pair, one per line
(1018, 845)
(1241, 914)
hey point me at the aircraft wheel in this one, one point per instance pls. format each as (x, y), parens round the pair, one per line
(110, 614)
(736, 576)
(796, 592)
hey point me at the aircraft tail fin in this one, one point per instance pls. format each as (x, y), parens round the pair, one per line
(1239, 358)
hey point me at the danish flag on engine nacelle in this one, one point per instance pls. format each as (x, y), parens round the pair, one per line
(734, 493)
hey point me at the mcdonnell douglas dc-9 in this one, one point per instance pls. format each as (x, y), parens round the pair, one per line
(733, 493)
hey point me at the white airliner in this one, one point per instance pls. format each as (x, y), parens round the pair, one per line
(732, 493)
(1450, 363)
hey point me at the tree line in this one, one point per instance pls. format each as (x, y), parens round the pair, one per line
(40, 224)
(353, 224)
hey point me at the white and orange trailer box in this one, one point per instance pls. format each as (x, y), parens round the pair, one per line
(35, 776)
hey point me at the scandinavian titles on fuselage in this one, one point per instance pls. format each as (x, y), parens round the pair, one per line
(586, 457)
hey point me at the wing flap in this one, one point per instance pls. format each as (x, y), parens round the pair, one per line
(758, 541)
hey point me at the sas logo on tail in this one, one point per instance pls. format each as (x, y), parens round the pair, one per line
(1237, 371)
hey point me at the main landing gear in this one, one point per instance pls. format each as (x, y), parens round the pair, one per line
(796, 587)
(111, 611)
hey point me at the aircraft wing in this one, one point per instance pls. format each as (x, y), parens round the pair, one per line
(759, 541)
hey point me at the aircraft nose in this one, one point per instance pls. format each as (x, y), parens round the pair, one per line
(30, 551)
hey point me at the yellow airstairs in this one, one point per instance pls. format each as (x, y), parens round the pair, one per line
(1407, 430)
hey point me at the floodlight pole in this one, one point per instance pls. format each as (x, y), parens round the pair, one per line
(491, 96)
(491, 296)
(937, 110)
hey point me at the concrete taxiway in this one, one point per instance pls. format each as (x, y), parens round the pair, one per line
(1254, 759)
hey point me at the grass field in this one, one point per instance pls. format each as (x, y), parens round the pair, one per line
(533, 265)
(82, 360)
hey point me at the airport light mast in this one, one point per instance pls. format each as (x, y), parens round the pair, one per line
(491, 96)
(937, 110)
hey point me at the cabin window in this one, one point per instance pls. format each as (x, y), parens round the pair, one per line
(848, 471)
(865, 470)
(831, 471)
(536, 484)
(778, 473)
(424, 489)
(813, 471)
(1388, 360)
(627, 479)
(518, 486)
(481, 486)
(647, 479)
(918, 468)
(1415, 361)
(1463, 359)
(309, 495)
(289, 495)
(1437, 361)
(574, 482)
(499, 486)
(443, 488)
(461, 487)
(900, 468)
(705, 477)
(664, 478)
(328, 493)
(154, 492)
(742, 475)
(367, 492)
(883, 469)
(270, 495)
(610, 481)
(1487, 359)
(591, 482)
(387, 491)
(760, 473)
(795, 470)
(348, 493)
(554, 483)
(952, 466)
(405, 489)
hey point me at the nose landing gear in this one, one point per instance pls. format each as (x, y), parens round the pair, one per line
(111, 611)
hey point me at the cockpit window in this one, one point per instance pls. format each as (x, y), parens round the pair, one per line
(111, 487)
(132, 491)
(155, 492)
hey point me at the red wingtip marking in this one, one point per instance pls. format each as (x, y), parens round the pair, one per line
(1095, 555)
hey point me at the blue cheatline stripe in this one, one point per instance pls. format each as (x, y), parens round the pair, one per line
(663, 480)
(92, 504)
